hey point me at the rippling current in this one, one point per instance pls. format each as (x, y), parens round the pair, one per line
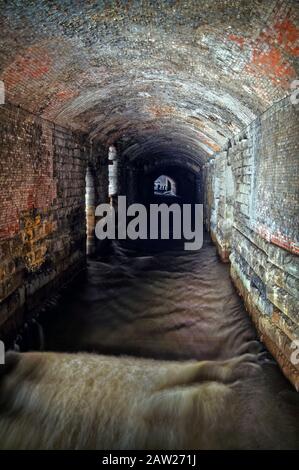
(168, 305)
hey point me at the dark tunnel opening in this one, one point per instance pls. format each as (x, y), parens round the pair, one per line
(184, 178)
(149, 224)
(187, 190)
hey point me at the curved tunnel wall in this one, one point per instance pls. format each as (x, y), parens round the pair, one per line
(251, 194)
(169, 87)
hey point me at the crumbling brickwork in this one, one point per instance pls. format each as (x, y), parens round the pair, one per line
(42, 210)
(252, 212)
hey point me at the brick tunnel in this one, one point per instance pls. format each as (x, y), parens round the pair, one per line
(186, 102)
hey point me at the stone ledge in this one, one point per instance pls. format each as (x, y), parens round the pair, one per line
(267, 331)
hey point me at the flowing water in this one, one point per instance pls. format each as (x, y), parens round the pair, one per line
(168, 305)
(172, 305)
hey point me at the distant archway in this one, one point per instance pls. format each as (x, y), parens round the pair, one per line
(165, 185)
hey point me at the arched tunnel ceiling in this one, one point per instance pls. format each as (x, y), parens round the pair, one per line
(144, 73)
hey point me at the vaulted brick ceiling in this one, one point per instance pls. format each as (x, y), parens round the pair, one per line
(150, 74)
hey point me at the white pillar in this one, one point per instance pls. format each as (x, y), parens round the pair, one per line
(112, 171)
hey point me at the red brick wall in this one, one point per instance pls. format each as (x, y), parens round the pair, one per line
(42, 209)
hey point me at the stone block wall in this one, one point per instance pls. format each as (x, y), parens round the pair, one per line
(42, 210)
(252, 211)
